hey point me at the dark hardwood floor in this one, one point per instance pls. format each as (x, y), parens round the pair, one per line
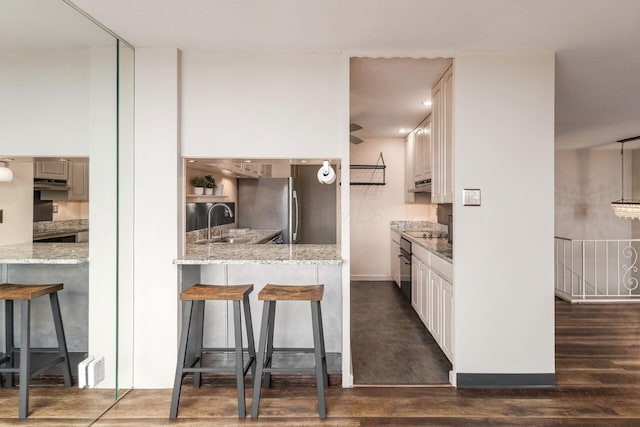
(389, 343)
(598, 372)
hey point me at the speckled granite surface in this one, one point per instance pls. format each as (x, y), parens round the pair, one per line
(255, 235)
(44, 253)
(402, 226)
(438, 246)
(45, 229)
(260, 254)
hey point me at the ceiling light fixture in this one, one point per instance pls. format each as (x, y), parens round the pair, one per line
(426, 103)
(403, 130)
(192, 161)
(629, 209)
(6, 175)
(247, 161)
(326, 174)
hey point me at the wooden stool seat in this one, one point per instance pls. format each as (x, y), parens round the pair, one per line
(271, 294)
(24, 294)
(191, 349)
(291, 293)
(10, 291)
(216, 293)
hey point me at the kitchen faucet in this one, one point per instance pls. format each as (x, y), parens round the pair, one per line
(209, 217)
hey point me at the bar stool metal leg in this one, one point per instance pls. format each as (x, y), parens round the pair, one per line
(182, 354)
(317, 347)
(269, 358)
(262, 346)
(237, 327)
(9, 339)
(322, 351)
(250, 342)
(25, 357)
(199, 337)
(62, 342)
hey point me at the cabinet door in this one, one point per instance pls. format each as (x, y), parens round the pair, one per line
(436, 143)
(409, 182)
(52, 170)
(395, 262)
(447, 140)
(447, 319)
(435, 289)
(415, 284)
(79, 181)
(423, 294)
(418, 155)
(426, 150)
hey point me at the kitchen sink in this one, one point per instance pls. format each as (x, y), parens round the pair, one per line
(232, 240)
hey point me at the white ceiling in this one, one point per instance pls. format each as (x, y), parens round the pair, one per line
(386, 94)
(596, 41)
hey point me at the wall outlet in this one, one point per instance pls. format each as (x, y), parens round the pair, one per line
(55, 208)
(95, 372)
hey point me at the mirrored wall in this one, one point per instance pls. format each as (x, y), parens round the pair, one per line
(66, 134)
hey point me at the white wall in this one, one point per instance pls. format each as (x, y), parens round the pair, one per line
(16, 200)
(586, 183)
(45, 102)
(373, 207)
(503, 250)
(261, 105)
(156, 217)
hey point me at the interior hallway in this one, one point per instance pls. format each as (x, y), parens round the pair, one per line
(389, 342)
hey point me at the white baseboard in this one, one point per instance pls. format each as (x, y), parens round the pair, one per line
(370, 278)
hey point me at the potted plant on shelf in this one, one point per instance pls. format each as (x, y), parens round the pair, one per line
(210, 185)
(198, 182)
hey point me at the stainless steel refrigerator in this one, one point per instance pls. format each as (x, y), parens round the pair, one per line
(270, 203)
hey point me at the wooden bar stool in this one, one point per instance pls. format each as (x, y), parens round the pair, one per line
(25, 293)
(191, 350)
(270, 294)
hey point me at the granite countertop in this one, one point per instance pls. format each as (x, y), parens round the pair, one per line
(260, 254)
(44, 253)
(58, 233)
(437, 245)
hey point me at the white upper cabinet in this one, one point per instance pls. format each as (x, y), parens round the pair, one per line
(422, 153)
(442, 139)
(409, 182)
(79, 181)
(51, 170)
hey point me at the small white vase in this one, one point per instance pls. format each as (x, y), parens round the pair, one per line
(208, 191)
(198, 191)
(219, 190)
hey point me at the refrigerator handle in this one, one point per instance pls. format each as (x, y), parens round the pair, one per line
(295, 199)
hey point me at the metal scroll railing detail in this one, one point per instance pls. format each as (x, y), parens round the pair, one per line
(597, 270)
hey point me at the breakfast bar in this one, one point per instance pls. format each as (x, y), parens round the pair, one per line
(301, 264)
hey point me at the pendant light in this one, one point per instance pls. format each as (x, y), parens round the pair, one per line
(629, 209)
(6, 175)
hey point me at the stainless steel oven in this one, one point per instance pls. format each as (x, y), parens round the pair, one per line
(405, 268)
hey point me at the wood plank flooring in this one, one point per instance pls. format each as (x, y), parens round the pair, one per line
(598, 371)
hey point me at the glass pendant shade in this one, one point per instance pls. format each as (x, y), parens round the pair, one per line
(629, 209)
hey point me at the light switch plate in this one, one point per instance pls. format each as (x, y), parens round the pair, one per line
(471, 197)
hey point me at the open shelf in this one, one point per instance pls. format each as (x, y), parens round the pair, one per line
(202, 198)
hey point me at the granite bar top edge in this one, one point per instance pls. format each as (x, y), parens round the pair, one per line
(44, 253)
(261, 254)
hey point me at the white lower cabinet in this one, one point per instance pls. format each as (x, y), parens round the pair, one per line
(432, 296)
(447, 319)
(435, 290)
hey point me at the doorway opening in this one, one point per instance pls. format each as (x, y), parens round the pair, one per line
(390, 343)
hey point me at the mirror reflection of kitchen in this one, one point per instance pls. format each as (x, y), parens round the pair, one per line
(47, 202)
(258, 201)
(61, 200)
